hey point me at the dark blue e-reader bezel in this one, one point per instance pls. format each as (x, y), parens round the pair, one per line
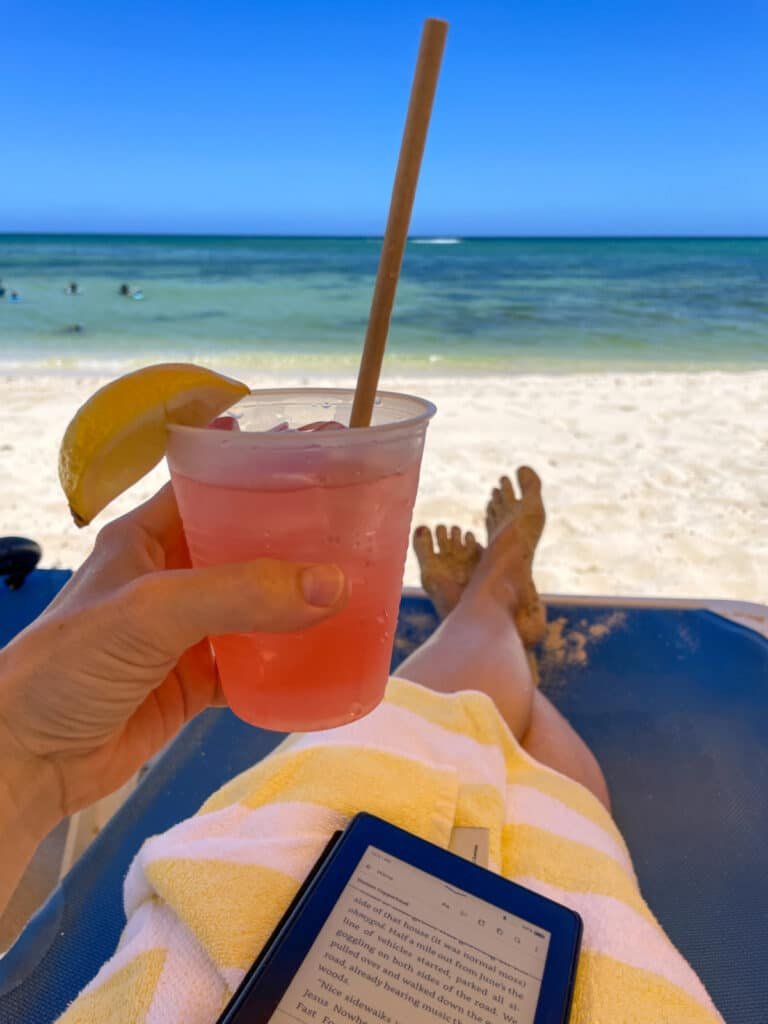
(265, 983)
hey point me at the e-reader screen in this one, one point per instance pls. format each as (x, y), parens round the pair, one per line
(401, 945)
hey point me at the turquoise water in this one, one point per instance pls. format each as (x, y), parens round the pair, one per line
(462, 304)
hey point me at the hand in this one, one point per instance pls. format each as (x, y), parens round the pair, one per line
(118, 663)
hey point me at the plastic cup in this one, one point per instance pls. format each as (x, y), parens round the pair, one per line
(341, 496)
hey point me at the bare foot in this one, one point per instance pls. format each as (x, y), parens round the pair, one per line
(446, 572)
(505, 569)
(524, 517)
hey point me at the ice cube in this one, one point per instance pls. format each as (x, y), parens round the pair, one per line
(323, 425)
(224, 423)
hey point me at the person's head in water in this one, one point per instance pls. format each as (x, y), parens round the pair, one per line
(125, 289)
(73, 288)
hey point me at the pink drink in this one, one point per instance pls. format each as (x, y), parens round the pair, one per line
(329, 496)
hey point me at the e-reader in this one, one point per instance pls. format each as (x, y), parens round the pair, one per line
(391, 929)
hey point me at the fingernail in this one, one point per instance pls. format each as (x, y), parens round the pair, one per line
(322, 585)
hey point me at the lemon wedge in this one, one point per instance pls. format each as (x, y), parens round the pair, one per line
(119, 434)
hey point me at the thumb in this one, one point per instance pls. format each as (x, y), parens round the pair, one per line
(180, 607)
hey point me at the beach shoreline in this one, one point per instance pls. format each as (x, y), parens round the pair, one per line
(656, 483)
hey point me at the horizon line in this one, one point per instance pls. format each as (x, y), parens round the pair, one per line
(379, 237)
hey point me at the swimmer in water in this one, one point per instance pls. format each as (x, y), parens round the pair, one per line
(129, 292)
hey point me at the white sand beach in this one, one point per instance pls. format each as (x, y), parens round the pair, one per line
(656, 484)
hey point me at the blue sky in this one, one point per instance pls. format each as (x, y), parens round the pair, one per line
(276, 117)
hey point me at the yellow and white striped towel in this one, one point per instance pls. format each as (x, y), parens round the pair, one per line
(202, 899)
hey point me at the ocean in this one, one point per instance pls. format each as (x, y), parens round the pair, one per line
(463, 305)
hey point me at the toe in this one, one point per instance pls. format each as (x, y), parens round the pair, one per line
(507, 491)
(532, 514)
(456, 536)
(532, 506)
(490, 516)
(422, 543)
(442, 539)
(473, 549)
(530, 484)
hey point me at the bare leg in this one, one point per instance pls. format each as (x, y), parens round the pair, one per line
(552, 740)
(487, 600)
(477, 646)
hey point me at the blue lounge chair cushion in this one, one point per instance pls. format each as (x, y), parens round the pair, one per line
(674, 703)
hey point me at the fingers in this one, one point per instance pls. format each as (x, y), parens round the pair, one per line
(149, 537)
(146, 539)
(159, 516)
(176, 609)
